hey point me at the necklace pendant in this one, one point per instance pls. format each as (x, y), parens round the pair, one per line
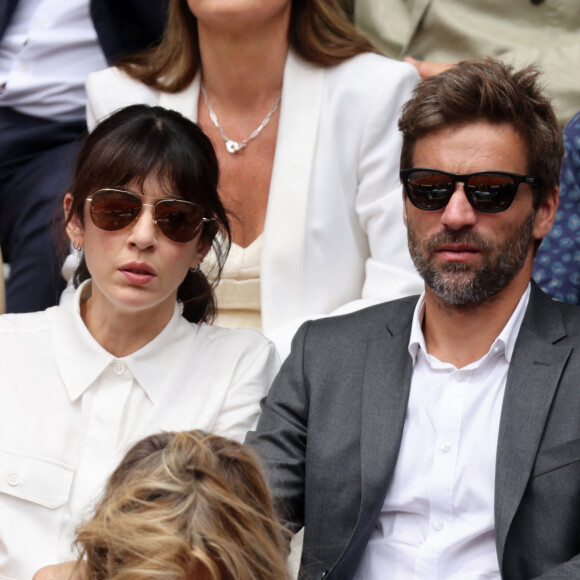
(233, 146)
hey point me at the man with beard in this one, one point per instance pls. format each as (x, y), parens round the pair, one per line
(438, 437)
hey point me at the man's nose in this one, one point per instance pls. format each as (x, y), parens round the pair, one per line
(459, 213)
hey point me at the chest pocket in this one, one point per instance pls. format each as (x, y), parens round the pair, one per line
(34, 492)
(34, 479)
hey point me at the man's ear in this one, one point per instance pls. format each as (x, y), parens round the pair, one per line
(74, 228)
(546, 214)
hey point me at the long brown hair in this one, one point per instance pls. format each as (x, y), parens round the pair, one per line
(319, 32)
(182, 505)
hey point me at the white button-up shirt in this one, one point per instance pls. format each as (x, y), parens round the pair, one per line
(69, 410)
(47, 51)
(437, 521)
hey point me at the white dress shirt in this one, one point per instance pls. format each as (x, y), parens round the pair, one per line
(437, 520)
(48, 49)
(69, 410)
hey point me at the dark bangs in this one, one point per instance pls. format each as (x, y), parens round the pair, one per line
(129, 149)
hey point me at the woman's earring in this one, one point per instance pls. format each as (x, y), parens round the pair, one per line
(195, 270)
(76, 246)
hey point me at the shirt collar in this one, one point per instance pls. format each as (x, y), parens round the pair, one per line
(505, 341)
(417, 340)
(81, 359)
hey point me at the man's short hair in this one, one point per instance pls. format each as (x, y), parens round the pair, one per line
(491, 91)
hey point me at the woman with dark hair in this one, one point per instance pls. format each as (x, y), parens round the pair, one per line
(186, 505)
(129, 354)
(303, 115)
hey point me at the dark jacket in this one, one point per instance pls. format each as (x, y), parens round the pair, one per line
(123, 26)
(332, 423)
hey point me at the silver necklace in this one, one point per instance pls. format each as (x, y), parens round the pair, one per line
(231, 145)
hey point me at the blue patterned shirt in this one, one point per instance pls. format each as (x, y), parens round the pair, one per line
(557, 264)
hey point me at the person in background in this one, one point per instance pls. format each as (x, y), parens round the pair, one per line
(202, 509)
(437, 33)
(302, 114)
(557, 264)
(130, 353)
(180, 506)
(436, 437)
(47, 48)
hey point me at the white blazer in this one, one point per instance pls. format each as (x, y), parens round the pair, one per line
(334, 239)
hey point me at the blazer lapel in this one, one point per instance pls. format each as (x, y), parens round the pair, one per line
(386, 390)
(535, 371)
(284, 231)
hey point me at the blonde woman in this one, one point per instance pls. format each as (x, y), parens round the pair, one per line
(184, 506)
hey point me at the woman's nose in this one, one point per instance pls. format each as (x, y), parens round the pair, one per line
(144, 231)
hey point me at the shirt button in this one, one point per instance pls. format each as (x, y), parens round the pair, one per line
(438, 525)
(445, 447)
(119, 367)
(13, 479)
(22, 66)
(459, 377)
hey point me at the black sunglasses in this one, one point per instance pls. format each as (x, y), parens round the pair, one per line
(487, 191)
(114, 209)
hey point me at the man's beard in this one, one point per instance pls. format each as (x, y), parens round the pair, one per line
(458, 283)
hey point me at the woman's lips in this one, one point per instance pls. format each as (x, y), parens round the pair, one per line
(137, 273)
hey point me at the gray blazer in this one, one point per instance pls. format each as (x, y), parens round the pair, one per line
(332, 424)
